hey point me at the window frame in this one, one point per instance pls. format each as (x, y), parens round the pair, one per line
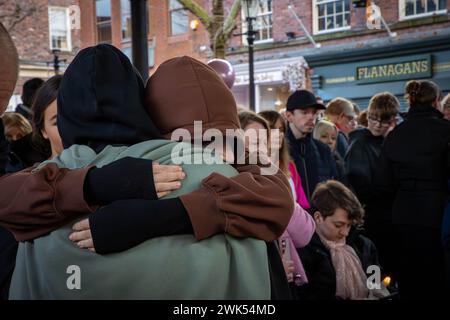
(315, 18)
(170, 11)
(151, 57)
(259, 15)
(68, 29)
(403, 17)
(103, 23)
(122, 15)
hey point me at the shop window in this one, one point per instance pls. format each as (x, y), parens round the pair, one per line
(179, 19)
(261, 10)
(421, 8)
(273, 96)
(331, 15)
(103, 14)
(128, 51)
(59, 29)
(125, 17)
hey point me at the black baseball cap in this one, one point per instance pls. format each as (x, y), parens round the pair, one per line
(303, 99)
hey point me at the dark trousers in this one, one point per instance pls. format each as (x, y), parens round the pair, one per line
(8, 252)
(383, 236)
(279, 286)
(420, 261)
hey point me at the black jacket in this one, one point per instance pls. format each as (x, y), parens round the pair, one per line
(24, 153)
(8, 252)
(341, 144)
(316, 260)
(361, 161)
(314, 161)
(24, 110)
(3, 149)
(414, 168)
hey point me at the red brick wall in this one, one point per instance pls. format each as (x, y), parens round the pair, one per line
(284, 22)
(159, 30)
(87, 16)
(31, 36)
(171, 46)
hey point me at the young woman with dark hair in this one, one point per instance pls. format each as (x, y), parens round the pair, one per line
(48, 144)
(415, 169)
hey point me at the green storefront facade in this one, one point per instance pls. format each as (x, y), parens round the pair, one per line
(358, 74)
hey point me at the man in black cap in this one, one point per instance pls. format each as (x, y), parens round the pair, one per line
(313, 159)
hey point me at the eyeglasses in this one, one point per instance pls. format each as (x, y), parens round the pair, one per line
(383, 123)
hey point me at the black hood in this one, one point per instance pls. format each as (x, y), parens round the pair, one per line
(100, 101)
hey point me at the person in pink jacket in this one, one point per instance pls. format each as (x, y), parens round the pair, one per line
(275, 121)
(299, 232)
(301, 227)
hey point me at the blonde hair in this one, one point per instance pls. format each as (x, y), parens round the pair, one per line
(321, 126)
(446, 102)
(339, 106)
(14, 119)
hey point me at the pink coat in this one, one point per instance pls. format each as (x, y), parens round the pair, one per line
(299, 232)
(300, 193)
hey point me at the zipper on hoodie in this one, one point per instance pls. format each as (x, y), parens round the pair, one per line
(303, 153)
(306, 178)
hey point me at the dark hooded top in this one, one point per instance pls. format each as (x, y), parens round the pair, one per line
(106, 107)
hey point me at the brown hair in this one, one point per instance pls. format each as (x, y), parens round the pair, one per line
(362, 118)
(337, 106)
(246, 117)
(422, 92)
(272, 117)
(385, 104)
(45, 95)
(331, 195)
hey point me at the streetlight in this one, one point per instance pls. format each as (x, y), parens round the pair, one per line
(251, 33)
(56, 61)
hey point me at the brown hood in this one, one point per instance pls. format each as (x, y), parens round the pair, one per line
(9, 68)
(183, 90)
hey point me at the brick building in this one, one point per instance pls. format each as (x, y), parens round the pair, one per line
(35, 38)
(352, 59)
(285, 57)
(169, 32)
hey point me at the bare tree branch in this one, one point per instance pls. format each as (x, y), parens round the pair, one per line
(230, 22)
(15, 14)
(219, 27)
(197, 10)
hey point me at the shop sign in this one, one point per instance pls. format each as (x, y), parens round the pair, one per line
(413, 67)
(262, 77)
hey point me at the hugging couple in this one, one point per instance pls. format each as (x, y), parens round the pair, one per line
(143, 244)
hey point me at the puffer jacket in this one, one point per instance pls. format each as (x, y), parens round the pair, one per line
(314, 161)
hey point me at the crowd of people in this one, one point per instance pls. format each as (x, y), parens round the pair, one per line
(355, 191)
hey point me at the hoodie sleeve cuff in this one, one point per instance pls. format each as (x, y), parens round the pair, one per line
(69, 194)
(203, 210)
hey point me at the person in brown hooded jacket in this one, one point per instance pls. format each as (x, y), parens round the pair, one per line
(247, 205)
